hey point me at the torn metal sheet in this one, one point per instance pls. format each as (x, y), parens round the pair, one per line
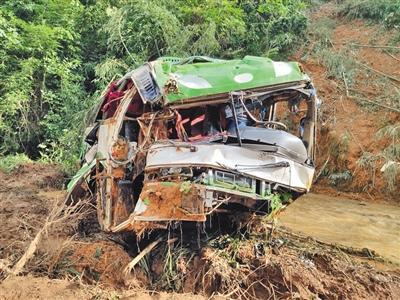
(255, 164)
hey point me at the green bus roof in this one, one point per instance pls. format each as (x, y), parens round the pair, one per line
(197, 77)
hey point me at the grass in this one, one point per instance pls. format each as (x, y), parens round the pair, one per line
(391, 175)
(10, 162)
(388, 157)
(339, 149)
(388, 96)
(386, 12)
(391, 154)
(337, 171)
(322, 31)
(176, 259)
(368, 161)
(338, 178)
(339, 64)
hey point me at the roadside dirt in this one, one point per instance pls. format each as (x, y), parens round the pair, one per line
(250, 263)
(26, 198)
(29, 287)
(344, 120)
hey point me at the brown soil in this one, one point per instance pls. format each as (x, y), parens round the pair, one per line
(342, 115)
(29, 287)
(290, 268)
(164, 201)
(26, 198)
(101, 261)
(255, 265)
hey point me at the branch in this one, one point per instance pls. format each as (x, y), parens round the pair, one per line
(376, 103)
(58, 214)
(372, 46)
(379, 72)
(345, 84)
(142, 254)
(145, 251)
(322, 169)
(391, 55)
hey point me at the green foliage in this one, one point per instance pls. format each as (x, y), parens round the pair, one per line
(322, 31)
(386, 12)
(41, 85)
(172, 277)
(391, 131)
(227, 247)
(55, 55)
(277, 200)
(273, 26)
(10, 162)
(367, 160)
(339, 65)
(139, 30)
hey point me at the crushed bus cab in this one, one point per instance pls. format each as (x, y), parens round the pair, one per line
(183, 139)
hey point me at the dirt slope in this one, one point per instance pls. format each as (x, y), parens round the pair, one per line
(348, 123)
(26, 197)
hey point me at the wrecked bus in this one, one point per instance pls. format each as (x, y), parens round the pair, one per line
(183, 139)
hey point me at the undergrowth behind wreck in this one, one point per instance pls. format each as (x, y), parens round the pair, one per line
(58, 55)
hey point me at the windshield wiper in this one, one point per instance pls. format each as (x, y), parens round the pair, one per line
(281, 164)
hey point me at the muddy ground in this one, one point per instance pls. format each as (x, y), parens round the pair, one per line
(353, 223)
(255, 261)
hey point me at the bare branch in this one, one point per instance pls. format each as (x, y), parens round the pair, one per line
(373, 46)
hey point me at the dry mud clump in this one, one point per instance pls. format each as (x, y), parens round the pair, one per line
(99, 261)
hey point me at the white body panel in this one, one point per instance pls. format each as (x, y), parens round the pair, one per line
(297, 176)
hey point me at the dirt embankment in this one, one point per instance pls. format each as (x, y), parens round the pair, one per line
(347, 77)
(251, 263)
(28, 197)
